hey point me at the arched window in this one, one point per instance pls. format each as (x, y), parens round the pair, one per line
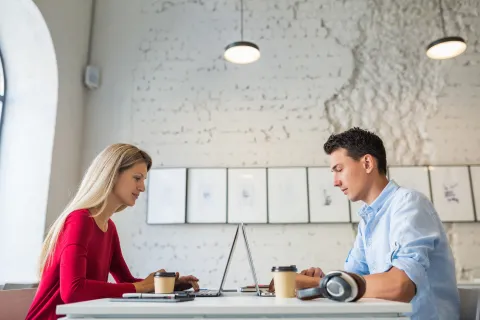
(2, 89)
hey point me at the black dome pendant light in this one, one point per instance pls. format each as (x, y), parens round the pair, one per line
(446, 47)
(241, 52)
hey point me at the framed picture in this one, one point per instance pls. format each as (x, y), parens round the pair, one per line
(451, 193)
(207, 195)
(412, 177)
(247, 195)
(287, 195)
(327, 203)
(475, 176)
(166, 199)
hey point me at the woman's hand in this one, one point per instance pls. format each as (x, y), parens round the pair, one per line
(147, 285)
(186, 282)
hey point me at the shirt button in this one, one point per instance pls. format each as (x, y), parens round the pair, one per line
(369, 242)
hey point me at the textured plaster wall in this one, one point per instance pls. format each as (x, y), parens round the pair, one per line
(325, 66)
(69, 24)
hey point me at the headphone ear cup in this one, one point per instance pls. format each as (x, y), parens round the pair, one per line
(361, 285)
(339, 289)
(343, 286)
(336, 286)
(323, 287)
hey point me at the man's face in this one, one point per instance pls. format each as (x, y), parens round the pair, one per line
(350, 175)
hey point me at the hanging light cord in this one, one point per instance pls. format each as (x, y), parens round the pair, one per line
(441, 17)
(241, 19)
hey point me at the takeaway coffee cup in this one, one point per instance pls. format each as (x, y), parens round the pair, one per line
(164, 282)
(284, 278)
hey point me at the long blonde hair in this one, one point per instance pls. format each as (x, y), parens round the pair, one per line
(96, 185)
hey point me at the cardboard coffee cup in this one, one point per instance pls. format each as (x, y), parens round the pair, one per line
(164, 282)
(284, 278)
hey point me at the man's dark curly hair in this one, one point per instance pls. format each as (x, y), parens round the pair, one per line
(358, 142)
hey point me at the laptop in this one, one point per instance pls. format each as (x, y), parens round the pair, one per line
(217, 293)
(260, 292)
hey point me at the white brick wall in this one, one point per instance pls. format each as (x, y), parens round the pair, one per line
(325, 66)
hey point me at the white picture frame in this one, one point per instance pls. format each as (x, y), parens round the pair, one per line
(287, 195)
(327, 203)
(166, 200)
(247, 195)
(475, 178)
(207, 195)
(451, 193)
(412, 177)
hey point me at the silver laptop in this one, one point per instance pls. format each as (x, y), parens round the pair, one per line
(217, 293)
(261, 293)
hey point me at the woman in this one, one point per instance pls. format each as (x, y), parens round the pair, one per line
(82, 246)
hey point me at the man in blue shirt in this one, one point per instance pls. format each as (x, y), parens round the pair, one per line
(401, 247)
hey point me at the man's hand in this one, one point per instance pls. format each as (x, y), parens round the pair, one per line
(313, 272)
(308, 278)
(302, 281)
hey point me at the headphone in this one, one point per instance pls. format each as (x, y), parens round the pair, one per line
(336, 285)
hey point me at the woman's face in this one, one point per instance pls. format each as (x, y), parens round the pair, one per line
(130, 184)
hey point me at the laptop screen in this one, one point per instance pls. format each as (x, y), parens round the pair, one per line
(232, 249)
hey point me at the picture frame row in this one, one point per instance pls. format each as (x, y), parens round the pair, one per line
(294, 194)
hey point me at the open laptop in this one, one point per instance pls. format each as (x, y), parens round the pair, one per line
(260, 292)
(217, 293)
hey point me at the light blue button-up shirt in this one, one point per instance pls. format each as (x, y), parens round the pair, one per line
(402, 229)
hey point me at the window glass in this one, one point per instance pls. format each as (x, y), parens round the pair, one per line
(2, 79)
(2, 90)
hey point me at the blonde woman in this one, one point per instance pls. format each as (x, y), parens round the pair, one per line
(82, 246)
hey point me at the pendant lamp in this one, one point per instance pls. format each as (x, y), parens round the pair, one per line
(241, 52)
(446, 47)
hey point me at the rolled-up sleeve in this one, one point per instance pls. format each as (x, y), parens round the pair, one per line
(356, 261)
(414, 234)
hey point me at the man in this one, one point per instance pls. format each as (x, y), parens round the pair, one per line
(401, 247)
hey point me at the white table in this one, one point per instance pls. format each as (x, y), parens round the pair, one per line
(237, 306)
(468, 284)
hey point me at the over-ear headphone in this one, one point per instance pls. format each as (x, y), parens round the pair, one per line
(336, 285)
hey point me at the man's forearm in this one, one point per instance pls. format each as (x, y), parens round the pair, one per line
(303, 281)
(392, 285)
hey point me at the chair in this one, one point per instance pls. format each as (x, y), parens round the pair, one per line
(12, 286)
(14, 304)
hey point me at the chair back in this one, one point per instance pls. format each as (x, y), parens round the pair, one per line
(14, 304)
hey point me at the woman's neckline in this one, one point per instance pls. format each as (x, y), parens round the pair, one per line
(96, 223)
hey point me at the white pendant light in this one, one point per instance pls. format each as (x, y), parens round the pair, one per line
(242, 52)
(446, 47)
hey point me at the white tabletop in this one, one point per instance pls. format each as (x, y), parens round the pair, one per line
(469, 284)
(232, 304)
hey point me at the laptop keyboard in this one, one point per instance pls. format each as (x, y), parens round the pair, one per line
(205, 293)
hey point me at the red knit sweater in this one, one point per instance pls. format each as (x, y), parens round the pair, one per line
(82, 260)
